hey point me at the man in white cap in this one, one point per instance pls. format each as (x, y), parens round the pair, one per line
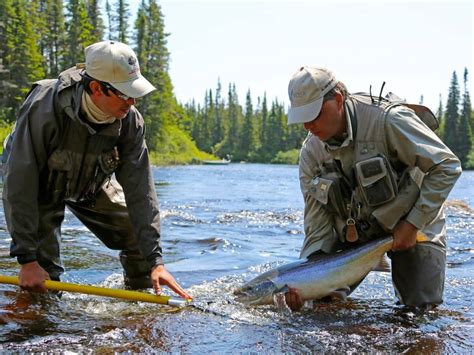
(72, 134)
(370, 167)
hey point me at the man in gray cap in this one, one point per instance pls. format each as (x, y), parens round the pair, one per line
(370, 167)
(72, 134)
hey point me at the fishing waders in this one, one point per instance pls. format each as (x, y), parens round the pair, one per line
(107, 217)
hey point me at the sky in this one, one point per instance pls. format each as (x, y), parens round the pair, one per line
(414, 46)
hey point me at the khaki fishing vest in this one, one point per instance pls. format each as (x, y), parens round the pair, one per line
(378, 191)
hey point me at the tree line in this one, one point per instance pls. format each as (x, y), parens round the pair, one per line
(41, 38)
(254, 132)
(457, 121)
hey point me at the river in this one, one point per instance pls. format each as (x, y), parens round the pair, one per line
(221, 226)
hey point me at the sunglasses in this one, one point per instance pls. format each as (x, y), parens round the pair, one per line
(115, 91)
(107, 86)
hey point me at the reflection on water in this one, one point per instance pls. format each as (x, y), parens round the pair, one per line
(222, 226)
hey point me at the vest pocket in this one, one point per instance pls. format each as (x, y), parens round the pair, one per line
(60, 166)
(330, 193)
(376, 181)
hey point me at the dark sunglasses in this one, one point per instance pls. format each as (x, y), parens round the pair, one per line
(117, 93)
(107, 86)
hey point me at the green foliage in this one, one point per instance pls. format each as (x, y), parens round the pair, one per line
(288, 157)
(457, 122)
(470, 160)
(81, 32)
(5, 129)
(53, 38)
(175, 147)
(44, 37)
(248, 134)
(452, 115)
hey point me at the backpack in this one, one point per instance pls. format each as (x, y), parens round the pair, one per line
(423, 112)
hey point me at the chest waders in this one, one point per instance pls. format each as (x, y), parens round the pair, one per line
(374, 196)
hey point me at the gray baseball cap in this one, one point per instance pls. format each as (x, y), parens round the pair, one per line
(306, 90)
(117, 64)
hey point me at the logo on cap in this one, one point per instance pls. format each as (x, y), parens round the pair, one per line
(132, 60)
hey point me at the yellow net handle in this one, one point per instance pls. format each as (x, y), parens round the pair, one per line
(102, 291)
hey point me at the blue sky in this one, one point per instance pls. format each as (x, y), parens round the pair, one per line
(413, 46)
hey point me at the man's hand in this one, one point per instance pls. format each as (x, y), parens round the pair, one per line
(32, 277)
(293, 299)
(160, 276)
(404, 236)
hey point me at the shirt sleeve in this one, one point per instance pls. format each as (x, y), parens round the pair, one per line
(135, 176)
(318, 222)
(34, 130)
(410, 141)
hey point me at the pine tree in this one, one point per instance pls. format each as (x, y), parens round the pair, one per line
(80, 31)
(40, 25)
(95, 18)
(160, 107)
(22, 56)
(247, 138)
(122, 16)
(464, 128)
(440, 117)
(110, 20)
(141, 34)
(7, 86)
(55, 42)
(218, 124)
(452, 115)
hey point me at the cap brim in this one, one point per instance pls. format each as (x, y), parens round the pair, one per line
(306, 113)
(136, 88)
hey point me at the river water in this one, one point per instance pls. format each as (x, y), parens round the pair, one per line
(221, 226)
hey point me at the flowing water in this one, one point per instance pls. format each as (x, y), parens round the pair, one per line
(221, 226)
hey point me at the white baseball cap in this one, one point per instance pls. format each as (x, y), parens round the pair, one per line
(306, 90)
(117, 64)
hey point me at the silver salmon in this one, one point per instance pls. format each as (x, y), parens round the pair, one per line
(318, 276)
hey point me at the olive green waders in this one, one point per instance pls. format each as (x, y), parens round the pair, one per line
(107, 217)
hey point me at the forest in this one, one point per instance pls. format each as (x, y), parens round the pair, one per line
(41, 38)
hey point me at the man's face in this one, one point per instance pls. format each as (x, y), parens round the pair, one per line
(331, 120)
(113, 103)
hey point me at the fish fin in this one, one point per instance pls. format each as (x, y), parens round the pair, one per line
(421, 237)
(284, 289)
(279, 300)
(383, 265)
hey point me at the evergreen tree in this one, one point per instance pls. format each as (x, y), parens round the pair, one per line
(40, 25)
(95, 18)
(54, 44)
(452, 115)
(264, 123)
(7, 86)
(110, 21)
(141, 34)
(247, 139)
(218, 123)
(440, 117)
(464, 128)
(80, 31)
(160, 107)
(22, 56)
(208, 117)
(122, 16)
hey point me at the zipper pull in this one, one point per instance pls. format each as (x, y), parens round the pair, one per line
(351, 230)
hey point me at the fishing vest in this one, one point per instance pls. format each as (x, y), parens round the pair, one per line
(84, 159)
(81, 159)
(377, 192)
